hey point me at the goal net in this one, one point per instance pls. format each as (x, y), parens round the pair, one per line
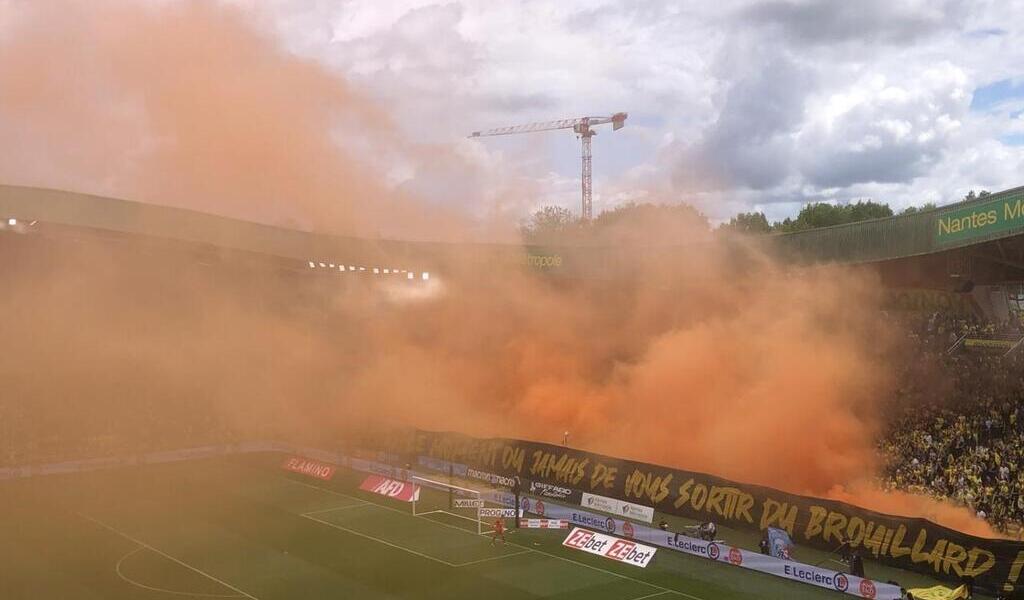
(476, 509)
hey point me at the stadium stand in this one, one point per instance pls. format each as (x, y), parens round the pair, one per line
(964, 442)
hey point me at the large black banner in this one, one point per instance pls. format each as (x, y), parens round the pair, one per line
(907, 543)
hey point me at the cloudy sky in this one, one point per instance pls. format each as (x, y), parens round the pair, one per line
(733, 105)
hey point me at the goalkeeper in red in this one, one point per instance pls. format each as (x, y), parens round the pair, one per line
(499, 531)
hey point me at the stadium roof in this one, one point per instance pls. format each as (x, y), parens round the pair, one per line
(104, 214)
(993, 217)
(972, 223)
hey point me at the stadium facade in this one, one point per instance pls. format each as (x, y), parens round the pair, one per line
(971, 249)
(952, 248)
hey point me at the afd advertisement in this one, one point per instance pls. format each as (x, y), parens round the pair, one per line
(399, 490)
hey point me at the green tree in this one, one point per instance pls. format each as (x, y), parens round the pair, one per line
(652, 225)
(824, 214)
(628, 224)
(751, 222)
(649, 222)
(972, 196)
(548, 225)
(865, 210)
(910, 210)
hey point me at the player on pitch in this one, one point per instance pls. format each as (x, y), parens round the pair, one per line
(499, 531)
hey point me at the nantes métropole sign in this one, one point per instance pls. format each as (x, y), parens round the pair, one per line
(979, 220)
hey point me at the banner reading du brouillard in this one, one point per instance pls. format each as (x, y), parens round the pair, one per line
(908, 543)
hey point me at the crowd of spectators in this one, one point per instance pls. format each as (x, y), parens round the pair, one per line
(940, 331)
(960, 436)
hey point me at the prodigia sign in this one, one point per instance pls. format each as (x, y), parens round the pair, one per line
(494, 513)
(313, 468)
(913, 544)
(624, 551)
(625, 510)
(399, 490)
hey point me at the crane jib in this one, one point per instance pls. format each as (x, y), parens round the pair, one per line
(582, 127)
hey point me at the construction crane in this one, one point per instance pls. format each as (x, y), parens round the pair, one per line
(583, 129)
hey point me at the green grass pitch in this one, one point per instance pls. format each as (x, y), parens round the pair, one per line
(241, 527)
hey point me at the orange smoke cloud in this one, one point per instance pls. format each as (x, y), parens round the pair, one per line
(707, 355)
(911, 505)
(768, 378)
(189, 104)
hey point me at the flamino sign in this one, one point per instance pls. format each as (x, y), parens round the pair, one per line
(980, 219)
(913, 544)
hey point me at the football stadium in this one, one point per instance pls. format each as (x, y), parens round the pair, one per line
(150, 498)
(396, 301)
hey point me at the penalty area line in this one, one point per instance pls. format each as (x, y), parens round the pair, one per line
(117, 569)
(381, 506)
(379, 541)
(165, 555)
(654, 595)
(662, 589)
(410, 550)
(337, 508)
(499, 557)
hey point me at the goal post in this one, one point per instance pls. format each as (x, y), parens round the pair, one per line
(464, 499)
(462, 503)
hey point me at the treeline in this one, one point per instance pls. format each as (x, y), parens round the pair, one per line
(646, 223)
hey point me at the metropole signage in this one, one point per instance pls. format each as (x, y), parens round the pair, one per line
(980, 219)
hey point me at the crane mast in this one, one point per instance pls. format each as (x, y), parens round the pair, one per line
(583, 128)
(587, 209)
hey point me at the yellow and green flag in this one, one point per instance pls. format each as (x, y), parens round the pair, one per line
(939, 592)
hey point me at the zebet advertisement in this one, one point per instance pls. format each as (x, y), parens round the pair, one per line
(716, 551)
(912, 544)
(624, 551)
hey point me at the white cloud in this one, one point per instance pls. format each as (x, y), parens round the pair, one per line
(733, 105)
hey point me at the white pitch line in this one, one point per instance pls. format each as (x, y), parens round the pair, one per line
(569, 560)
(117, 569)
(399, 547)
(655, 594)
(165, 555)
(380, 541)
(380, 506)
(364, 503)
(490, 558)
(619, 575)
(451, 514)
(322, 489)
(337, 508)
